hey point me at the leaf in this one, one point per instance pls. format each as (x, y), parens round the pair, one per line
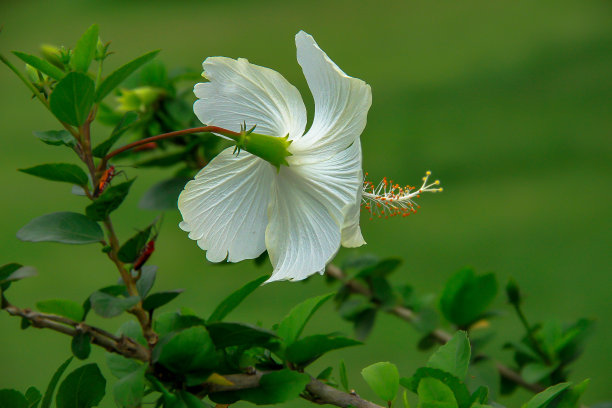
(69, 173)
(81, 345)
(535, 372)
(380, 269)
(132, 248)
(120, 366)
(454, 356)
(82, 388)
(308, 349)
(542, 399)
(72, 98)
(62, 307)
(570, 398)
(163, 195)
(232, 301)
(292, 325)
(238, 334)
(274, 388)
(343, 376)
(14, 272)
(41, 65)
(435, 394)
(466, 296)
(383, 379)
(458, 387)
(56, 137)
(159, 299)
(174, 322)
(147, 279)
(325, 374)
(109, 201)
(85, 49)
(190, 350)
(364, 323)
(125, 123)
(33, 396)
(12, 399)
(48, 397)
(129, 390)
(114, 79)
(483, 373)
(64, 227)
(110, 306)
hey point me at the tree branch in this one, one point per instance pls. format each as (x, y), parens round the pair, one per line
(439, 335)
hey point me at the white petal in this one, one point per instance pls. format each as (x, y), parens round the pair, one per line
(341, 104)
(351, 232)
(308, 211)
(225, 207)
(240, 91)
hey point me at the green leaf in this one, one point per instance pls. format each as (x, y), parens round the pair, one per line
(542, 399)
(159, 299)
(85, 49)
(69, 173)
(466, 296)
(364, 323)
(343, 376)
(458, 387)
(12, 399)
(232, 301)
(46, 402)
(81, 345)
(274, 388)
(308, 349)
(570, 398)
(484, 373)
(380, 269)
(454, 356)
(292, 325)
(109, 201)
(535, 372)
(173, 322)
(33, 396)
(480, 396)
(435, 394)
(14, 272)
(83, 388)
(163, 195)
(147, 279)
(188, 351)
(110, 306)
(72, 98)
(62, 307)
(383, 379)
(125, 123)
(325, 374)
(64, 227)
(129, 390)
(120, 366)
(238, 334)
(114, 79)
(56, 137)
(132, 248)
(41, 65)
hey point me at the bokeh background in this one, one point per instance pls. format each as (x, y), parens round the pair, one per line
(509, 103)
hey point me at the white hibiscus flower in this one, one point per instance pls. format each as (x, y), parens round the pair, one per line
(239, 206)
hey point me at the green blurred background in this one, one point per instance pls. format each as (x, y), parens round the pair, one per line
(509, 103)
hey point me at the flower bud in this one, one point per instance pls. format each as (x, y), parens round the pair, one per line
(32, 73)
(270, 148)
(513, 292)
(52, 54)
(138, 99)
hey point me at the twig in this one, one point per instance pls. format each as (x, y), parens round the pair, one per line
(439, 335)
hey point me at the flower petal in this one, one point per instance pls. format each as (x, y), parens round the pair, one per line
(225, 207)
(240, 91)
(341, 104)
(351, 232)
(307, 212)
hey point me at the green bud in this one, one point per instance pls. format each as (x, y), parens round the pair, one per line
(107, 249)
(138, 99)
(270, 148)
(32, 73)
(513, 292)
(52, 54)
(101, 50)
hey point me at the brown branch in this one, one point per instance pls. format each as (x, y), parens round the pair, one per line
(439, 335)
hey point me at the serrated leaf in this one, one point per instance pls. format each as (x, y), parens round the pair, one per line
(542, 399)
(109, 201)
(147, 279)
(304, 351)
(68, 173)
(232, 301)
(33, 396)
(62, 307)
(72, 98)
(64, 227)
(40, 64)
(85, 49)
(81, 345)
(292, 325)
(383, 378)
(238, 334)
(125, 123)
(107, 305)
(466, 296)
(454, 356)
(188, 351)
(12, 399)
(14, 271)
(159, 299)
(56, 137)
(435, 394)
(83, 388)
(129, 390)
(48, 397)
(132, 248)
(118, 76)
(163, 195)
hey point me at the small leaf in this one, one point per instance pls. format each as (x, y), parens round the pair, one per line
(62, 307)
(458, 387)
(174, 322)
(120, 366)
(435, 394)
(147, 279)
(292, 325)
(325, 374)
(109, 201)
(239, 334)
(114, 79)
(72, 98)
(454, 356)
(364, 323)
(81, 345)
(232, 301)
(69, 173)
(14, 272)
(159, 299)
(56, 137)
(82, 388)
(64, 227)
(85, 49)
(306, 350)
(125, 123)
(12, 399)
(163, 195)
(190, 350)
(383, 379)
(33, 396)
(343, 376)
(110, 306)
(542, 399)
(129, 390)
(380, 269)
(132, 248)
(41, 65)
(535, 372)
(46, 402)
(466, 296)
